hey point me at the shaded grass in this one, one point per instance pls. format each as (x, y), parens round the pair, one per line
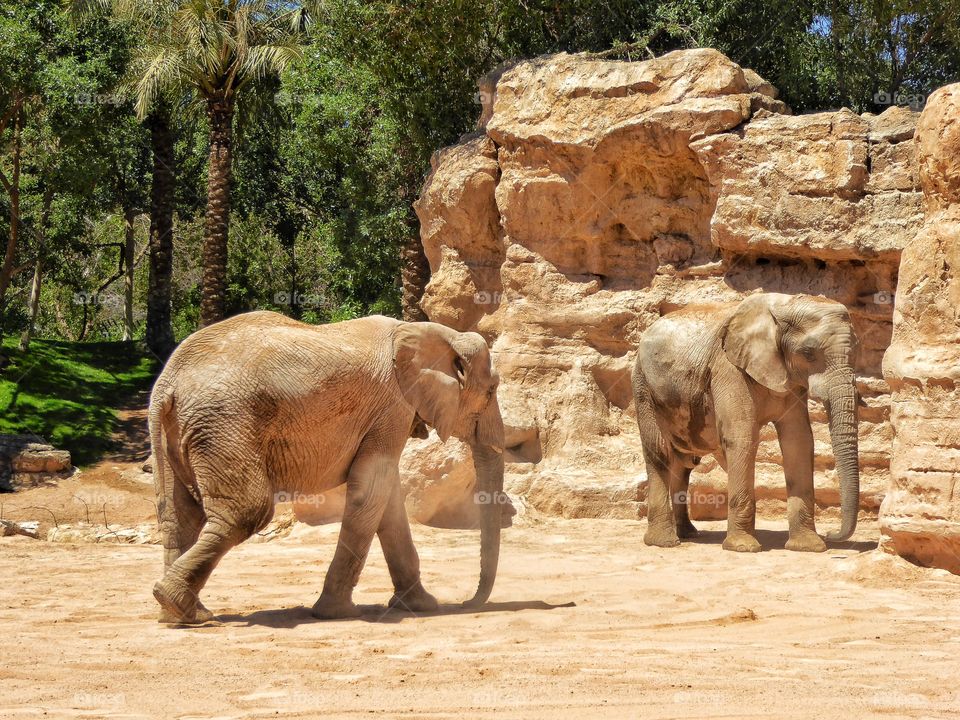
(69, 393)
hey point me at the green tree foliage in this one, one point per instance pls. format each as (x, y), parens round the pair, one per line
(824, 54)
(70, 151)
(330, 154)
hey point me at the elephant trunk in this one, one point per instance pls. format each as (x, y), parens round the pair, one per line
(488, 462)
(841, 396)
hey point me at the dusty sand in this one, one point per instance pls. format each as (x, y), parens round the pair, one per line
(585, 621)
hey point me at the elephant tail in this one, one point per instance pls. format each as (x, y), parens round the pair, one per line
(162, 472)
(168, 465)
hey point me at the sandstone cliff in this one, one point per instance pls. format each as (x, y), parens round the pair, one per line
(599, 195)
(920, 517)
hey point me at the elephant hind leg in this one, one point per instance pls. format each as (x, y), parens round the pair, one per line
(180, 530)
(667, 476)
(179, 514)
(226, 524)
(667, 518)
(179, 591)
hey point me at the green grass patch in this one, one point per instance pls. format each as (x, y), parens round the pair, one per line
(69, 393)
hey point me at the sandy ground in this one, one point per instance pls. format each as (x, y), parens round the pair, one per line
(585, 621)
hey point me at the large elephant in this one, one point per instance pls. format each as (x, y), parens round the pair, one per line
(261, 405)
(709, 386)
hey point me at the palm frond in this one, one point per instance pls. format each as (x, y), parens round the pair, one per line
(263, 60)
(214, 46)
(160, 69)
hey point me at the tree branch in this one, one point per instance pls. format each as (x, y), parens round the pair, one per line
(26, 266)
(120, 268)
(5, 120)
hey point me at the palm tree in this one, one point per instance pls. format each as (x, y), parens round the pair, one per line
(214, 48)
(159, 331)
(148, 19)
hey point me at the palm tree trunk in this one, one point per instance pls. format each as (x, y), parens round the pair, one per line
(159, 333)
(128, 261)
(288, 236)
(213, 292)
(414, 274)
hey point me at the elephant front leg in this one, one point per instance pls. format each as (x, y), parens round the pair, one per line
(401, 556)
(739, 435)
(368, 489)
(741, 453)
(796, 447)
(681, 502)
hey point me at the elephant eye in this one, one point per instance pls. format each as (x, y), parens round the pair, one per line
(807, 349)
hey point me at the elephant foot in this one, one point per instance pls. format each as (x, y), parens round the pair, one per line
(740, 541)
(201, 616)
(330, 608)
(661, 537)
(806, 541)
(178, 604)
(416, 599)
(685, 529)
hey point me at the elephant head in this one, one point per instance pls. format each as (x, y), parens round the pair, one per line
(448, 379)
(788, 341)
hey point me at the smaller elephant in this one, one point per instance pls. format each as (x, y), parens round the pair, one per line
(260, 407)
(708, 386)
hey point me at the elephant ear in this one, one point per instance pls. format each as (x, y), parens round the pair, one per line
(751, 342)
(434, 365)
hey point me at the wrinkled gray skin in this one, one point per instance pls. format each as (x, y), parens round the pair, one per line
(705, 387)
(260, 404)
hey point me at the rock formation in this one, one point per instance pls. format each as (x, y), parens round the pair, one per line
(920, 517)
(598, 195)
(27, 461)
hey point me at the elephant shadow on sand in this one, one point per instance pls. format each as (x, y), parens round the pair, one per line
(776, 539)
(292, 617)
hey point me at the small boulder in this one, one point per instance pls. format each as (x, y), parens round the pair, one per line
(27, 461)
(28, 529)
(37, 458)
